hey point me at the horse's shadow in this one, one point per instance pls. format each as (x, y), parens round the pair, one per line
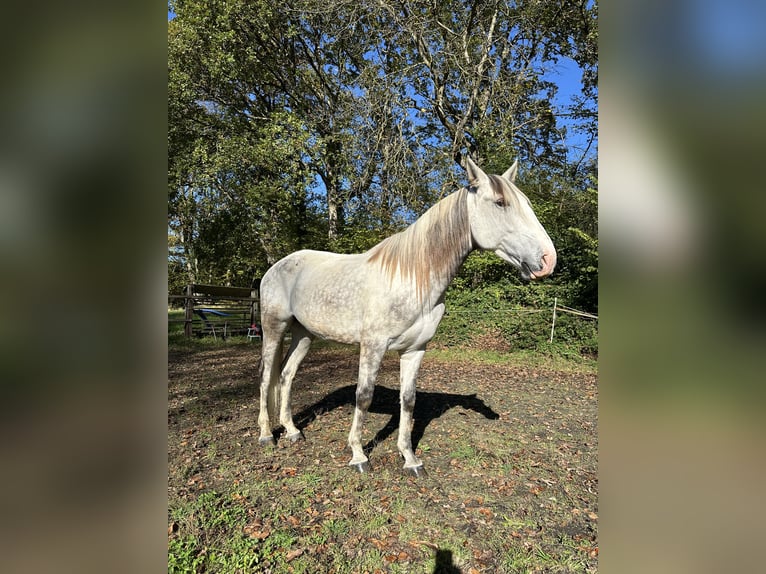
(428, 407)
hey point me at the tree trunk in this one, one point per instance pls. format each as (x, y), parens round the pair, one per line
(331, 178)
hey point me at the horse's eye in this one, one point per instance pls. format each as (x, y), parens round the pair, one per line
(500, 202)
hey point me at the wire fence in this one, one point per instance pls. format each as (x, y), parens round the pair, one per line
(247, 307)
(557, 308)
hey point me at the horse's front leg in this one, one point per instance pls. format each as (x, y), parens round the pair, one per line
(409, 365)
(369, 363)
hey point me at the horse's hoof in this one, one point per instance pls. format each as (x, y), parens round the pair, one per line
(416, 471)
(265, 441)
(296, 437)
(362, 467)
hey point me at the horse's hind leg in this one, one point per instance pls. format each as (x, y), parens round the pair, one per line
(271, 350)
(298, 349)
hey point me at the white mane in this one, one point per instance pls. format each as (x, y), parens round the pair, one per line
(432, 247)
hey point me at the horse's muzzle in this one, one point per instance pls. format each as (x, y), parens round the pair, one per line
(548, 263)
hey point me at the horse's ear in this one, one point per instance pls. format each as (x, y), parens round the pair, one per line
(475, 175)
(510, 175)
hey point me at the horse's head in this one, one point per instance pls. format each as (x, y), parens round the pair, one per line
(502, 220)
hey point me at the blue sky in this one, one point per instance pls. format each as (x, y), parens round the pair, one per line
(567, 75)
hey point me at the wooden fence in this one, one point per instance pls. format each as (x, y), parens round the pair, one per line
(216, 310)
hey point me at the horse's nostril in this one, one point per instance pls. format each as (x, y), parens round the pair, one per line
(525, 267)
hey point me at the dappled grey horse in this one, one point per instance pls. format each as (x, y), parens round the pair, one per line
(391, 297)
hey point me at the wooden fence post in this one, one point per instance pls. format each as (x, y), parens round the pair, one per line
(254, 309)
(189, 307)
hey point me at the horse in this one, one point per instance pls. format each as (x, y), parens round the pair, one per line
(390, 298)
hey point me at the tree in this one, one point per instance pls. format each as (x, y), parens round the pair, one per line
(237, 170)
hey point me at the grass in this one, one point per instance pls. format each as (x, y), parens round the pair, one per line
(560, 361)
(207, 543)
(286, 529)
(559, 355)
(179, 342)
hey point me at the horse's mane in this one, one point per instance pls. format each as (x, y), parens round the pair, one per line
(434, 246)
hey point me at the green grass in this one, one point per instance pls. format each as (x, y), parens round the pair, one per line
(210, 536)
(566, 362)
(535, 557)
(177, 340)
(465, 452)
(336, 528)
(558, 356)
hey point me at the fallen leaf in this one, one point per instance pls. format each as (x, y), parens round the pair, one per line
(486, 512)
(418, 543)
(293, 554)
(254, 531)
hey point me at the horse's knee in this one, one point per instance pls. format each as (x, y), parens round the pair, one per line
(364, 396)
(407, 398)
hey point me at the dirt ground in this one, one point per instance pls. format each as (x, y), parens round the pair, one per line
(510, 451)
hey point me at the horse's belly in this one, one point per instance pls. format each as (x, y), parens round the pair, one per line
(420, 332)
(331, 328)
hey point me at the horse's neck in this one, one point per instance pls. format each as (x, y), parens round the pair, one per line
(450, 255)
(439, 283)
(431, 251)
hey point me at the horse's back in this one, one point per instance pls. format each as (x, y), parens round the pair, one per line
(278, 283)
(308, 265)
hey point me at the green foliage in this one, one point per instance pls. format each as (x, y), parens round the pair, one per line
(487, 305)
(184, 555)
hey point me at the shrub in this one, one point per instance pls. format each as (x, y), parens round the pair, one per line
(518, 314)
